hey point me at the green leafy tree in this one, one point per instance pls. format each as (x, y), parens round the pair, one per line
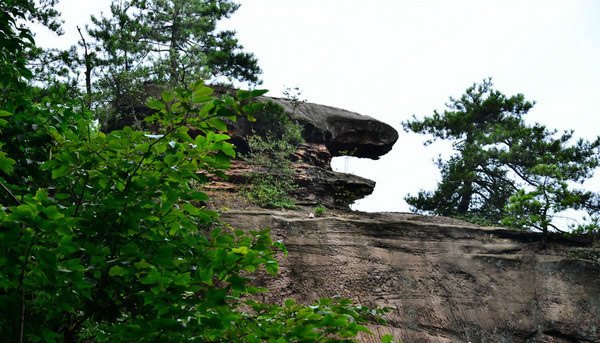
(474, 184)
(23, 109)
(16, 40)
(505, 171)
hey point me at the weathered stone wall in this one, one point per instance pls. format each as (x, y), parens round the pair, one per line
(447, 280)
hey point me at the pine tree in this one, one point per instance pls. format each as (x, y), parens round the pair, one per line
(145, 43)
(548, 166)
(504, 170)
(474, 185)
(186, 45)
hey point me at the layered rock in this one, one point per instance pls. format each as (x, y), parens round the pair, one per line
(317, 183)
(328, 132)
(447, 281)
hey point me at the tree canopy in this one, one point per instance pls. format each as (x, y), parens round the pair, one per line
(504, 171)
(168, 41)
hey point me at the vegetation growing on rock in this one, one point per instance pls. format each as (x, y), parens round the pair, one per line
(274, 140)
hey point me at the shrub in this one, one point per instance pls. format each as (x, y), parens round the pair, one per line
(320, 211)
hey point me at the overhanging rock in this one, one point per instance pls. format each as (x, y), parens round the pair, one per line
(345, 133)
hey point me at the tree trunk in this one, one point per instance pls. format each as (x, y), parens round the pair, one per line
(87, 57)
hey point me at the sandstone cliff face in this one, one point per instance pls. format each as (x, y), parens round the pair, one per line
(448, 281)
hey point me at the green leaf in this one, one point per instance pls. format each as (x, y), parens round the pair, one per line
(217, 124)
(52, 212)
(182, 279)
(272, 267)
(168, 96)
(60, 171)
(6, 164)
(258, 92)
(206, 276)
(199, 196)
(116, 271)
(220, 137)
(49, 336)
(387, 339)
(152, 278)
(155, 104)
(201, 93)
(240, 250)
(228, 149)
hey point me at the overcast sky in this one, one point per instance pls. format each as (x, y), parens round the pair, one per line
(390, 59)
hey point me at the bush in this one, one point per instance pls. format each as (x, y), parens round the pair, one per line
(270, 192)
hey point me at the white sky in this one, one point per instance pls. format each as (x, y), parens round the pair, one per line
(390, 59)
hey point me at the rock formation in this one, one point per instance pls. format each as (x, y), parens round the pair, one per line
(328, 132)
(446, 280)
(344, 133)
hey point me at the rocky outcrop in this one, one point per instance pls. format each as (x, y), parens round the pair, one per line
(344, 133)
(446, 280)
(328, 132)
(317, 183)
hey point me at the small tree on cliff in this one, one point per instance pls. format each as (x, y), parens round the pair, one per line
(549, 166)
(504, 171)
(474, 184)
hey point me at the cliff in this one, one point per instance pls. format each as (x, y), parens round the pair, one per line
(446, 280)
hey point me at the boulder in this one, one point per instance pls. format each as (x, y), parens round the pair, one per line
(344, 133)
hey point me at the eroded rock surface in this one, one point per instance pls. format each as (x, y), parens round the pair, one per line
(344, 133)
(447, 280)
(317, 183)
(328, 132)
